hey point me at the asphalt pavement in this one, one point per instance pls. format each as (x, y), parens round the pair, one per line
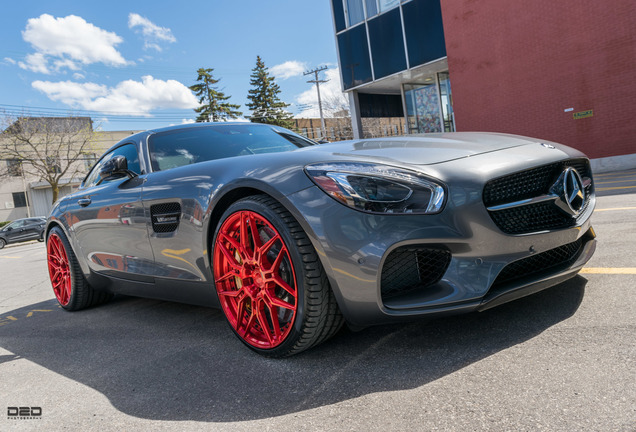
(560, 360)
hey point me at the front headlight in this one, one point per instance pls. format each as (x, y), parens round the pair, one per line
(377, 188)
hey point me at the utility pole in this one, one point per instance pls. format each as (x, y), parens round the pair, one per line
(318, 82)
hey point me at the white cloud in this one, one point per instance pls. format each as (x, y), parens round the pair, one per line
(151, 32)
(289, 69)
(10, 60)
(35, 62)
(333, 99)
(69, 42)
(187, 121)
(127, 97)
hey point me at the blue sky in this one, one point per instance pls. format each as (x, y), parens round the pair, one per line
(127, 64)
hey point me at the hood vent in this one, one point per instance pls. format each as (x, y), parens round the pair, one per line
(165, 217)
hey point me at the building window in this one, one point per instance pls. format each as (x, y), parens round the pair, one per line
(19, 199)
(14, 167)
(354, 57)
(424, 31)
(388, 4)
(304, 132)
(387, 44)
(372, 8)
(355, 12)
(338, 15)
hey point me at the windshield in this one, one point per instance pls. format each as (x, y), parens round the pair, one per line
(176, 148)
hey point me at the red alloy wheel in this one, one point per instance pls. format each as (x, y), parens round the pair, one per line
(255, 279)
(59, 269)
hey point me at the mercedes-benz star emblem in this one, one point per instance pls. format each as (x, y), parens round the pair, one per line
(569, 192)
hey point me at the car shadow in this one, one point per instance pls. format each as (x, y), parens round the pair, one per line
(168, 361)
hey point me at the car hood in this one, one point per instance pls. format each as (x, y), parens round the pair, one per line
(425, 149)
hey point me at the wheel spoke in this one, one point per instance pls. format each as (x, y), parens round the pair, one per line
(245, 242)
(229, 275)
(267, 246)
(228, 256)
(236, 245)
(263, 323)
(279, 258)
(278, 302)
(256, 238)
(231, 293)
(248, 325)
(284, 285)
(274, 318)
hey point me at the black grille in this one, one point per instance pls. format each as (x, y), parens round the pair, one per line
(530, 184)
(410, 268)
(545, 262)
(165, 217)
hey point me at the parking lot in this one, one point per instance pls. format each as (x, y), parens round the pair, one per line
(563, 359)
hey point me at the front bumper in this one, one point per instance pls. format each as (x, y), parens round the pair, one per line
(353, 247)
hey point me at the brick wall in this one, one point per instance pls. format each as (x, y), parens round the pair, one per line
(515, 66)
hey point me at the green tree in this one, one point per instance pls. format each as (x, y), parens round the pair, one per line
(213, 106)
(265, 105)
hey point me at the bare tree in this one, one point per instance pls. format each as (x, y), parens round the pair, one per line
(46, 148)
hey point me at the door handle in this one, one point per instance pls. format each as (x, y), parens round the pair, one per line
(84, 202)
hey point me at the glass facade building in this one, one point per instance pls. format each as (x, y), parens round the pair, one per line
(393, 52)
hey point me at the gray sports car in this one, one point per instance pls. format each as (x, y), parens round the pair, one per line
(292, 239)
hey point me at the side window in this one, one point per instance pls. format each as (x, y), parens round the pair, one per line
(17, 224)
(129, 151)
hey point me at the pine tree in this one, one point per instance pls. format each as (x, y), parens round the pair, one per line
(213, 106)
(265, 105)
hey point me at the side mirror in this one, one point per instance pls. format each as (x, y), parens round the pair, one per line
(8, 229)
(117, 165)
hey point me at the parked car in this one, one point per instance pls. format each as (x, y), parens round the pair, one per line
(21, 230)
(292, 239)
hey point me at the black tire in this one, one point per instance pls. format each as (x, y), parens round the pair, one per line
(3, 243)
(317, 315)
(82, 295)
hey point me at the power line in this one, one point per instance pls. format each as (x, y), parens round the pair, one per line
(318, 82)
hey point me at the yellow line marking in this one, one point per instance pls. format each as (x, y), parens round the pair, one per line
(615, 209)
(609, 270)
(617, 181)
(12, 318)
(614, 188)
(618, 173)
(10, 257)
(30, 314)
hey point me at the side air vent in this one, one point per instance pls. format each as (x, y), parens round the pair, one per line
(412, 268)
(165, 217)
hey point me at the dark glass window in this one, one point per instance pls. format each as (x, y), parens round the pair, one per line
(424, 31)
(355, 12)
(180, 147)
(19, 199)
(372, 8)
(387, 44)
(354, 57)
(338, 15)
(14, 167)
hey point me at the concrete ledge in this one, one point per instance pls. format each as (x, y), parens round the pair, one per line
(613, 163)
